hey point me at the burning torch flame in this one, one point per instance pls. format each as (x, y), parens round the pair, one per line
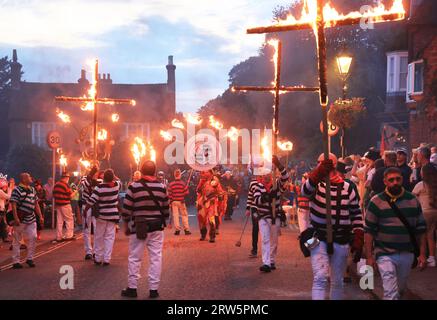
(63, 161)
(215, 123)
(233, 133)
(166, 135)
(85, 163)
(152, 153)
(138, 149)
(177, 124)
(275, 44)
(63, 116)
(285, 145)
(115, 117)
(266, 149)
(102, 135)
(92, 91)
(193, 118)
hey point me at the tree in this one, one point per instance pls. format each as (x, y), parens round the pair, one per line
(28, 158)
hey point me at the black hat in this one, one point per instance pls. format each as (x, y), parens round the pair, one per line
(341, 167)
(372, 155)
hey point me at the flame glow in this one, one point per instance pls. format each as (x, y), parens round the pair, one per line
(177, 124)
(138, 150)
(193, 118)
(85, 163)
(115, 117)
(285, 145)
(92, 91)
(152, 153)
(266, 149)
(275, 44)
(63, 116)
(215, 123)
(63, 160)
(331, 16)
(233, 133)
(166, 135)
(102, 135)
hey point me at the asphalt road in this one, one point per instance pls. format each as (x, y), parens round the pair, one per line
(191, 270)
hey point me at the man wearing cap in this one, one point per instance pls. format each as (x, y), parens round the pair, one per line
(177, 191)
(402, 155)
(162, 179)
(347, 227)
(390, 160)
(63, 194)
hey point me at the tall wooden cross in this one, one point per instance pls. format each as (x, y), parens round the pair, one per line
(92, 101)
(318, 16)
(277, 89)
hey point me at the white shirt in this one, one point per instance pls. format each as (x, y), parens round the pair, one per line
(422, 193)
(3, 197)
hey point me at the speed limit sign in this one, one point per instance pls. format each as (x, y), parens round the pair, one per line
(332, 129)
(54, 139)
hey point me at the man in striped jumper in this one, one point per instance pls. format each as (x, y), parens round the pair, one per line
(24, 205)
(105, 196)
(86, 187)
(263, 195)
(388, 238)
(251, 211)
(64, 213)
(146, 202)
(177, 190)
(346, 224)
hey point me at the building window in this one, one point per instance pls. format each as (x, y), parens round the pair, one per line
(132, 130)
(397, 70)
(40, 131)
(414, 79)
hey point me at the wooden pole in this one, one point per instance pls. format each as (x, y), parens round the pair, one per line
(53, 177)
(96, 72)
(322, 64)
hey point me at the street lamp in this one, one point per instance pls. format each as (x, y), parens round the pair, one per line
(344, 63)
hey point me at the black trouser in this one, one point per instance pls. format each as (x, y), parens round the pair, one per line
(3, 232)
(230, 206)
(255, 232)
(204, 231)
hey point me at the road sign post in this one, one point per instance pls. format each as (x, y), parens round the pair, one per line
(54, 142)
(332, 131)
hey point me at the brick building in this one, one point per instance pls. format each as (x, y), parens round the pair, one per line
(32, 109)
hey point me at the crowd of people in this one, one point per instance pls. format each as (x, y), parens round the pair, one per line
(381, 209)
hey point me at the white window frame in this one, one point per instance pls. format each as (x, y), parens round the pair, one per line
(40, 131)
(411, 79)
(393, 75)
(144, 130)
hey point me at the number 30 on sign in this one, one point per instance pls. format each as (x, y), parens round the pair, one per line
(332, 129)
(54, 139)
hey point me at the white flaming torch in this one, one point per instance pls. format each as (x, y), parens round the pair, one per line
(285, 145)
(177, 124)
(138, 150)
(166, 135)
(115, 117)
(193, 118)
(233, 133)
(213, 122)
(63, 116)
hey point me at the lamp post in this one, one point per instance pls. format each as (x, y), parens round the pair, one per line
(343, 63)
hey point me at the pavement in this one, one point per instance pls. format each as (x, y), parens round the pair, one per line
(191, 270)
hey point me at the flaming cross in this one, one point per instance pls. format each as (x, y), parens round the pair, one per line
(277, 89)
(317, 16)
(92, 101)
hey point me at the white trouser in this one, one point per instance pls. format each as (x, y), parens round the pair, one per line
(269, 239)
(177, 206)
(154, 244)
(104, 238)
(64, 214)
(28, 231)
(394, 270)
(332, 266)
(87, 221)
(303, 219)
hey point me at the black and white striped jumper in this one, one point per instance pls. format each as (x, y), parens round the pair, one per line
(345, 210)
(25, 199)
(86, 189)
(250, 203)
(265, 208)
(106, 196)
(138, 201)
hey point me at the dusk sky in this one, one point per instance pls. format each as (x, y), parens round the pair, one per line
(133, 38)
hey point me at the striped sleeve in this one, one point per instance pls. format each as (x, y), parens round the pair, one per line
(15, 195)
(94, 197)
(372, 217)
(308, 189)
(354, 208)
(283, 179)
(128, 204)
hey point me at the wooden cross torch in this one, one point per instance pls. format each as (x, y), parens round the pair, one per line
(92, 101)
(318, 16)
(277, 89)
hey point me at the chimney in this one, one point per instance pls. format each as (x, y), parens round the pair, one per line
(15, 71)
(171, 85)
(83, 80)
